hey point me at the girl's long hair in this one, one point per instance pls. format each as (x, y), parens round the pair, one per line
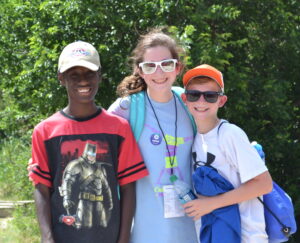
(156, 37)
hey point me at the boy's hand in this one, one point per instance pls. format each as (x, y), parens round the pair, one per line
(198, 207)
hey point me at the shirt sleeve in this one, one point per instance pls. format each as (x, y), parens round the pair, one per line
(131, 166)
(38, 166)
(240, 153)
(121, 107)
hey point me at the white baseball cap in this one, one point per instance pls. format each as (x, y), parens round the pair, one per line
(81, 54)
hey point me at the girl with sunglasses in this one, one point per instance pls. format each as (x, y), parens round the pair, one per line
(164, 131)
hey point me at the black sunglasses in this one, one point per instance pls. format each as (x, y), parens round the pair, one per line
(209, 96)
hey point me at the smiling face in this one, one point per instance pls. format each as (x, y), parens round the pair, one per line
(201, 109)
(159, 81)
(81, 84)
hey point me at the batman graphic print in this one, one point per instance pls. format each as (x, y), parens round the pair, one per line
(86, 178)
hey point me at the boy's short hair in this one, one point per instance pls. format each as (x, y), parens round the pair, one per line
(79, 53)
(206, 71)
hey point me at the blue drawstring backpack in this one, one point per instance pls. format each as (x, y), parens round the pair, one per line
(222, 224)
(279, 210)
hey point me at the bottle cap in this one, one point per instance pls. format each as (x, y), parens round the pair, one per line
(173, 178)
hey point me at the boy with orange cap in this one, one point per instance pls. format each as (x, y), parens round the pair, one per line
(227, 151)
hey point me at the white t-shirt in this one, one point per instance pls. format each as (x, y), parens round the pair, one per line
(238, 162)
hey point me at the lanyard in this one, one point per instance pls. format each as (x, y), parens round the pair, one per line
(171, 160)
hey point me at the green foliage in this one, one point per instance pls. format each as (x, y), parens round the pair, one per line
(14, 183)
(23, 228)
(256, 44)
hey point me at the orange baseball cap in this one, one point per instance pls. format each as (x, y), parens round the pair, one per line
(204, 70)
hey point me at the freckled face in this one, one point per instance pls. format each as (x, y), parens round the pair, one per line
(159, 80)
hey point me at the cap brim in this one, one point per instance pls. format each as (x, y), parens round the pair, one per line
(203, 72)
(81, 63)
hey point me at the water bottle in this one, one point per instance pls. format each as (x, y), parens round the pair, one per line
(259, 149)
(183, 190)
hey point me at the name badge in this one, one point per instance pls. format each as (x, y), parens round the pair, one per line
(172, 205)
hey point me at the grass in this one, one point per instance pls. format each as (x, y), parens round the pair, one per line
(23, 228)
(14, 185)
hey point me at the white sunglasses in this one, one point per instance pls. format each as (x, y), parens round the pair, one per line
(165, 65)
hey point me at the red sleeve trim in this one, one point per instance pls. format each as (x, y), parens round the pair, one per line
(132, 173)
(45, 174)
(39, 176)
(130, 169)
